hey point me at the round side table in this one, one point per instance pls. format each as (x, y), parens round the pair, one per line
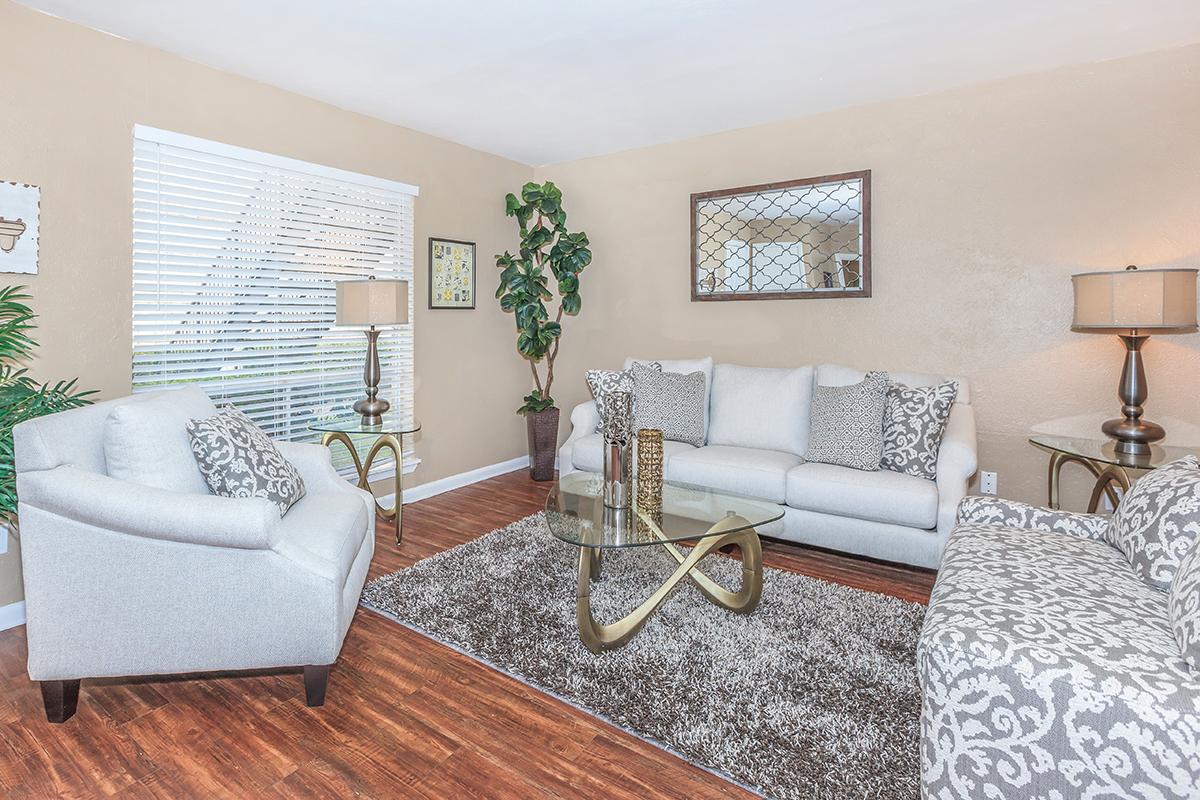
(1100, 458)
(389, 435)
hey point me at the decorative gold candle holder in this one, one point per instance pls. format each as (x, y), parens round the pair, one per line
(649, 469)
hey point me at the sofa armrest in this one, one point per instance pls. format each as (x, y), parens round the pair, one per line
(957, 461)
(584, 419)
(131, 508)
(1012, 514)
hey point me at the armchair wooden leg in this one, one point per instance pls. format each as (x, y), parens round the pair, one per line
(316, 678)
(61, 698)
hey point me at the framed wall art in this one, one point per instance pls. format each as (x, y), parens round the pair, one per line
(19, 204)
(451, 273)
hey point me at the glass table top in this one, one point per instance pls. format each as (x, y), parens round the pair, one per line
(576, 513)
(1103, 450)
(353, 424)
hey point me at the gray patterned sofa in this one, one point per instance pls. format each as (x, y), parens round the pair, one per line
(1049, 666)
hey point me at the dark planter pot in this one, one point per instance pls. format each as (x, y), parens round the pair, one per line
(543, 443)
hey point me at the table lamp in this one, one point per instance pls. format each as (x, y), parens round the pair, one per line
(375, 304)
(1133, 304)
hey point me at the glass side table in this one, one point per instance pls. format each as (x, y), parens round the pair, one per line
(389, 435)
(1099, 456)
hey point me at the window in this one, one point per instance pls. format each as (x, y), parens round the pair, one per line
(236, 255)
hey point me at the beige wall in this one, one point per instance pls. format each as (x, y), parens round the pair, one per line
(984, 201)
(69, 98)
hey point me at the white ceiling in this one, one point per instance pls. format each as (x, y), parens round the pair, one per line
(542, 81)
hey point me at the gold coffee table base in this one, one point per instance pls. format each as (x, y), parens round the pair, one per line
(386, 441)
(598, 638)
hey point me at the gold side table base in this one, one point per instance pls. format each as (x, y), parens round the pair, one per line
(598, 638)
(387, 441)
(1105, 474)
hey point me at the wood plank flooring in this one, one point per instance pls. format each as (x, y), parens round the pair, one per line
(405, 717)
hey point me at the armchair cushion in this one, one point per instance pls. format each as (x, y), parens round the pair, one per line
(1183, 605)
(1158, 519)
(995, 511)
(146, 440)
(238, 459)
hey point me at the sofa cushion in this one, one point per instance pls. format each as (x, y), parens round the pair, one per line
(847, 423)
(760, 407)
(1048, 669)
(913, 422)
(739, 470)
(325, 531)
(1158, 519)
(604, 382)
(880, 496)
(671, 402)
(588, 452)
(684, 366)
(146, 440)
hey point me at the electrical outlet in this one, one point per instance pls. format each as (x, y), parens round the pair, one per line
(987, 483)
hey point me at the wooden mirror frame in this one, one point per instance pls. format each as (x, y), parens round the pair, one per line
(865, 255)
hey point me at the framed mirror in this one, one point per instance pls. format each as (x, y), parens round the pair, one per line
(808, 238)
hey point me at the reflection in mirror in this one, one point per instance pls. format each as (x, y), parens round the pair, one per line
(806, 238)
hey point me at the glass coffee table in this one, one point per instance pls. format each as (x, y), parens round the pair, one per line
(576, 514)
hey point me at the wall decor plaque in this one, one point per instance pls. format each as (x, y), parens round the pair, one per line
(451, 274)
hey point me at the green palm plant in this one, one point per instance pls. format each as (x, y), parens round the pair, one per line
(21, 397)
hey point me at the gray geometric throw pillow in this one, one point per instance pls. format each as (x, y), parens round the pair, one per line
(847, 423)
(238, 459)
(913, 423)
(1158, 521)
(604, 382)
(670, 401)
(1183, 606)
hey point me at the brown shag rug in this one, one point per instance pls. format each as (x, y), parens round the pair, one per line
(814, 695)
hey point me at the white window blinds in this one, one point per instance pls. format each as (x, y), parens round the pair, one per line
(236, 255)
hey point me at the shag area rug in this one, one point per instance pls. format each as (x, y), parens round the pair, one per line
(814, 695)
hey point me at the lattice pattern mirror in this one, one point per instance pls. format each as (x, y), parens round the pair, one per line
(798, 239)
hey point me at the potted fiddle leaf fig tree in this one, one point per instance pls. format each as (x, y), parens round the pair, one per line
(21, 397)
(547, 251)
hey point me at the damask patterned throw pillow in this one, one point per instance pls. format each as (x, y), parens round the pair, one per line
(670, 401)
(913, 423)
(604, 382)
(1158, 520)
(847, 423)
(238, 459)
(1183, 606)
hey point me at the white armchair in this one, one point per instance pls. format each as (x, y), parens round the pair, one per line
(125, 579)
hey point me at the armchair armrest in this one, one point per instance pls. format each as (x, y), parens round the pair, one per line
(130, 508)
(314, 462)
(1012, 514)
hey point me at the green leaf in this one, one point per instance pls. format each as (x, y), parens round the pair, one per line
(571, 304)
(511, 204)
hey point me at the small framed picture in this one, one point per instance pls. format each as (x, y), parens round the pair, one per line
(451, 273)
(19, 206)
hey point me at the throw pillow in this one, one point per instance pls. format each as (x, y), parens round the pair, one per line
(238, 459)
(146, 440)
(670, 401)
(604, 382)
(1183, 606)
(1158, 520)
(847, 423)
(914, 420)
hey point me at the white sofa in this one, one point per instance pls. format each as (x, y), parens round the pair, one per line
(757, 436)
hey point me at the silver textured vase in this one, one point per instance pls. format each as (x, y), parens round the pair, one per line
(617, 433)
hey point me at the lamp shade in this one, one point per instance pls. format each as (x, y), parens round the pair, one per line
(372, 302)
(1151, 300)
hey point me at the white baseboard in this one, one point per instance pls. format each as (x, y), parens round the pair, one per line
(424, 490)
(12, 615)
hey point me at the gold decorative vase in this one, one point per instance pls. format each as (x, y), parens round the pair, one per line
(649, 469)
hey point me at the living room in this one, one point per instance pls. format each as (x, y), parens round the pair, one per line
(866, 509)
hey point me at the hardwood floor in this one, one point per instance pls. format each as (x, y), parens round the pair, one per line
(405, 717)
